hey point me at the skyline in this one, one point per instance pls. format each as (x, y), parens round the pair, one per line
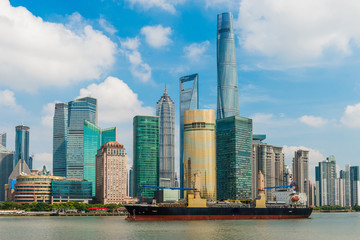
(297, 94)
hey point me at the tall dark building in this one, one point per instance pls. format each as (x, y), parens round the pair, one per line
(60, 133)
(22, 143)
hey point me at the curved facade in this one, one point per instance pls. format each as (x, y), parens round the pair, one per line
(22, 144)
(200, 150)
(228, 92)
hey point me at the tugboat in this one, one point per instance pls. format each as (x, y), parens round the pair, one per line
(197, 208)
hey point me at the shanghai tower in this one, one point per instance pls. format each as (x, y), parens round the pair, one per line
(228, 93)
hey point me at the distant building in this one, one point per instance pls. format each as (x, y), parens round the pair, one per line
(111, 173)
(339, 197)
(165, 110)
(325, 175)
(131, 183)
(270, 161)
(146, 155)
(301, 171)
(6, 167)
(227, 86)
(94, 138)
(21, 168)
(22, 139)
(70, 190)
(345, 175)
(3, 139)
(189, 99)
(234, 158)
(200, 150)
(311, 194)
(60, 133)
(355, 185)
(79, 110)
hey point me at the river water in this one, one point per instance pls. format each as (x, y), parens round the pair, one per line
(320, 226)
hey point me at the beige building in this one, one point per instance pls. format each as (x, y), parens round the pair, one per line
(111, 173)
(301, 171)
(200, 150)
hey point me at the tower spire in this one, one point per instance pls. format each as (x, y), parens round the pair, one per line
(165, 90)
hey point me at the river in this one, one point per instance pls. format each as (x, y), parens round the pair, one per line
(320, 226)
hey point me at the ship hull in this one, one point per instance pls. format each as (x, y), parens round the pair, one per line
(155, 213)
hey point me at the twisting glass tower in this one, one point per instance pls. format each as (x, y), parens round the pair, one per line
(228, 93)
(165, 110)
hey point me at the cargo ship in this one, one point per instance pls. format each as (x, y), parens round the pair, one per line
(197, 208)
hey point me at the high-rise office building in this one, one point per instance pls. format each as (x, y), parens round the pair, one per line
(3, 139)
(165, 110)
(146, 155)
(345, 174)
(60, 132)
(94, 138)
(79, 110)
(311, 194)
(130, 183)
(234, 158)
(111, 173)
(270, 161)
(325, 175)
(6, 167)
(189, 99)
(339, 194)
(301, 171)
(228, 92)
(200, 150)
(22, 139)
(355, 185)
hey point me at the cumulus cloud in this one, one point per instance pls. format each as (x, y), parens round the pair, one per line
(313, 121)
(107, 26)
(8, 100)
(166, 5)
(117, 103)
(138, 68)
(315, 156)
(156, 36)
(299, 31)
(196, 50)
(48, 111)
(262, 117)
(36, 53)
(351, 116)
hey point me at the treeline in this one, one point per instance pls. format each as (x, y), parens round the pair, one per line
(355, 208)
(41, 206)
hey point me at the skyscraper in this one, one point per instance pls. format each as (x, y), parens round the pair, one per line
(6, 167)
(60, 132)
(3, 139)
(346, 176)
(146, 155)
(131, 183)
(301, 171)
(189, 99)
(325, 175)
(165, 110)
(111, 173)
(94, 138)
(355, 185)
(233, 158)
(22, 145)
(79, 110)
(228, 92)
(200, 150)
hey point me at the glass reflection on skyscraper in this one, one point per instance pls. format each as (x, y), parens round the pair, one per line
(22, 144)
(228, 93)
(59, 139)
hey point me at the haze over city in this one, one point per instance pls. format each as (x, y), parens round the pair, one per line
(297, 81)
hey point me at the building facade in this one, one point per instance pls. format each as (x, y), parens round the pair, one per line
(94, 138)
(60, 132)
(325, 175)
(146, 155)
(3, 139)
(355, 185)
(131, 183)
(79, 110)
(200, 150)
(227, 90)
(111, 173)
(70, 190)
(22, 143)
(234, 158)
(165, 110)
(301, 171)
(6, 167)
(189, 99)
(345, 175)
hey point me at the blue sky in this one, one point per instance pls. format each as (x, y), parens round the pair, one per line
(297, 66)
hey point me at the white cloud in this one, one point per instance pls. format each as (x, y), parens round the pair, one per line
(156, 36)
(166, 5)
(7, 99)
(41, 159)
(117, 103)
(351, 117)
(313, 121)
(138, 68)
(48, 111)
(196, 50)
(261, 117)
(108, 27)
(36, 53)
(222, 3)
(315, 156)
(299, 32)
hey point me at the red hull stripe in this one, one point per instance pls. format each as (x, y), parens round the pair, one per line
(208, 217)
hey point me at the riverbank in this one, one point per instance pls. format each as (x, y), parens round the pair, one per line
(47, 214)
